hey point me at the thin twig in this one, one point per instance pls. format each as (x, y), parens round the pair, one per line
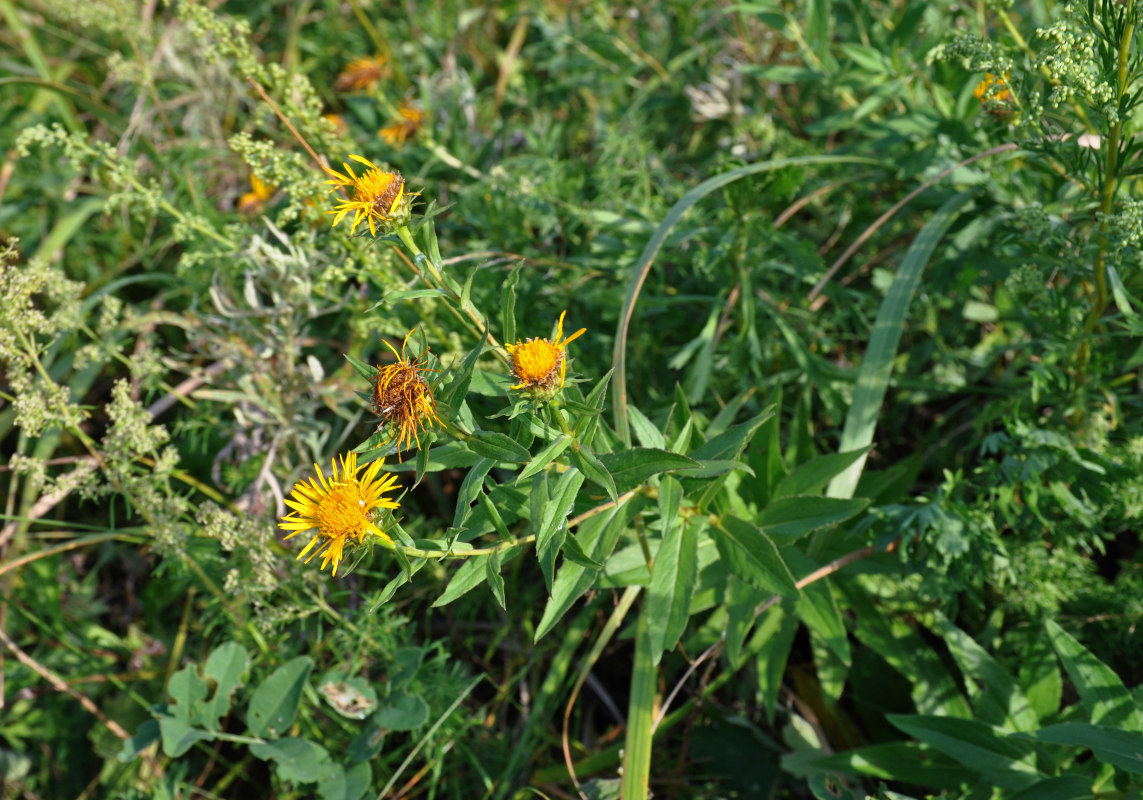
(813, 577)
(710, 652)
(49, 501)
(880, 221)
(829, 569)
(289, 125)
(60, 685)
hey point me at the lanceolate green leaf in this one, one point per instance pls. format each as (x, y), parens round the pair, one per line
(741, 600)
(1102, 692)
(597, 538)
(673, 574)
(366, 371)
(935, 690)
(790, 518)
(470, 575)
(544, 457)
(508, 304)
(453, 393)
(647, 258)
(981, 748)
(472, 486)
(587, 424)
(495, 581)
(811, 477)
(552, 528)
(732, 441)
(818, 609)
(999, 700)
(646, 431)
(912, 762)
(1121, 748)
(497, 446)
(750, 555)
(771, 643)
(631, 467)
(593, 468)
(873, 378)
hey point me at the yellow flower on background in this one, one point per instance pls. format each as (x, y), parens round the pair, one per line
(338, 123)
(253, 201)
(403, 399)
(361, 73)
(378, 196)
(984, 90)
(539, 366)
(340, 508)
(411, 119)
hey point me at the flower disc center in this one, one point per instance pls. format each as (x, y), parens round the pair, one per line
(536, 361)
(342, 512)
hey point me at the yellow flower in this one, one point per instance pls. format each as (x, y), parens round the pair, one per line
(378, 196)
(539, 365)
(411, 119)
(253, 201)
(403, 399)
(338, 123)
(985, 91)
(361, 73)
(340, 508)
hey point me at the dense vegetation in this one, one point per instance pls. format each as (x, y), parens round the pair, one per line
(757, 386)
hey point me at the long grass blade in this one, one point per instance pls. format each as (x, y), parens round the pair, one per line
(873, 379)
(647, 258)
(428, 736)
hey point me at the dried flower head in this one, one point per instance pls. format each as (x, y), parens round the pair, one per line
(402, 398)
(540, 365)
(361, 73)
(378, 196)
(411, 120)
(255, 200)
(340, 508)
(994, 88)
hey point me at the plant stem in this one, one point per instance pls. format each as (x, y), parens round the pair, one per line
(483, 551)
(1107, 196)
(465, 306)
(640, 715)
(1110, 182)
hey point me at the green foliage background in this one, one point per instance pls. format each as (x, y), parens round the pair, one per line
(855, 421)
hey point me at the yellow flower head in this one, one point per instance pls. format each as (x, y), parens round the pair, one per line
(993, 88)
(540, 365)
(253, 201)
(411, 119)
(338, 123)
(361, 73)
(378, 196)
(403, 399)
(340, 508)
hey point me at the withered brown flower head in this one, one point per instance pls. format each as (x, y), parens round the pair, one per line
(403, 399)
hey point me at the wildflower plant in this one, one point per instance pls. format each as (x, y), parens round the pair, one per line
(540, 365)
(402, 398)
(341, 509)
(411, 120)
(376, 196)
